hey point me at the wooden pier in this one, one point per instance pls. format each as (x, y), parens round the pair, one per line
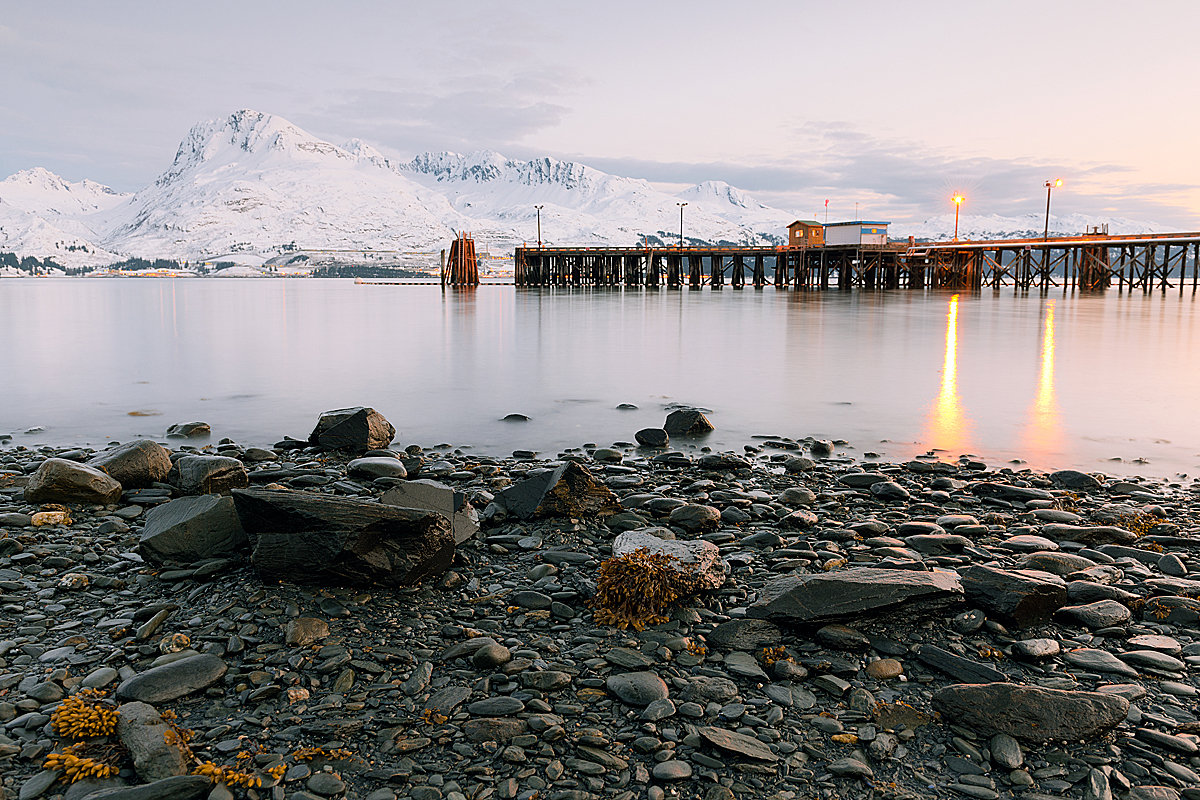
(1093, 262)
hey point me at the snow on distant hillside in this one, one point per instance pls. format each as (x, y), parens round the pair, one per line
(253, 186)
(27, 234)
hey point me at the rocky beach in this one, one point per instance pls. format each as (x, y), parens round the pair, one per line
(344, 616)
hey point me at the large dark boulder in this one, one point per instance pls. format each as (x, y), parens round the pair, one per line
(568, 491)
(355, 430)
(1030, 713)
(136, 464)
(190, 529)
(203, 474)
(306, 537)
(431, 495)
(58, 480)
(1018, 597)
(854, 593)
(687, 422)
(1074, 480)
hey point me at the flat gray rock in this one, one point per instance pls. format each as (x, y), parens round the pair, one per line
(1099, 661)
(181, 787)
(637, 688)
(738, 743)
(174, 679)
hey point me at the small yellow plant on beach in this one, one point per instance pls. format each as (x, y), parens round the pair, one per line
(85, 715)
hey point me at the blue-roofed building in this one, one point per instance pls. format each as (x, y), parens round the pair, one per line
(858, 233)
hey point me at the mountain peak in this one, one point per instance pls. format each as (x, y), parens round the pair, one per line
(245, 133)
(719, 192)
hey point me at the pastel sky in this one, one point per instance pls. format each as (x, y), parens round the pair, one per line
(895, 106)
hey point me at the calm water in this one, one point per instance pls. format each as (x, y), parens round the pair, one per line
(1057, 381)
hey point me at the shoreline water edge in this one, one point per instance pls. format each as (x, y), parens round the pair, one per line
(340, 617)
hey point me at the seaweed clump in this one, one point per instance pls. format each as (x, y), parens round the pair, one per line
(637, 589)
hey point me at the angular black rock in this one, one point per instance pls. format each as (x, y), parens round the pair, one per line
(354, 430)
(1018, 598)
(568, 491)
(190, 529)
(687, 422)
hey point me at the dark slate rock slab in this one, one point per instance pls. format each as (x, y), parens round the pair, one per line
(434, 496)
(180, 787)
(961, 669)
(853, 593)
(306, 537)
(1031, 713)
(739, 743)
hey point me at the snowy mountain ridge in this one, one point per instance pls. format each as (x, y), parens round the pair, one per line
(255, 184)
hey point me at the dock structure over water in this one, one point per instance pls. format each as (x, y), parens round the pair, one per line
(1092, 262)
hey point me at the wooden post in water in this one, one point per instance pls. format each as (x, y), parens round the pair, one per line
(738, 278)
(760, 270)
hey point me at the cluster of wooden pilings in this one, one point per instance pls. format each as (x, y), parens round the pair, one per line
(462, 267)
(716, 267)
(1086, 263)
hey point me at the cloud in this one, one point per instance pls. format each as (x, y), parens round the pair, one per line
(906, 180)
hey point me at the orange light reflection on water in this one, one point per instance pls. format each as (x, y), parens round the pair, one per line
(947, 424)
(1043, 435)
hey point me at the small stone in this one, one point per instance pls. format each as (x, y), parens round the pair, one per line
(885, 669)
(638, 688)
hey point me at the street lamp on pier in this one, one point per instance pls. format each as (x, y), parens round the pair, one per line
(539, 216)
(681, 205)
(1050, 186)
(958, 201)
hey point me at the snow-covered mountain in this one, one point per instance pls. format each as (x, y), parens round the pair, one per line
(253, 184)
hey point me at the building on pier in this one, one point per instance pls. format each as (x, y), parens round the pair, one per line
(806, 233)
(857, 233)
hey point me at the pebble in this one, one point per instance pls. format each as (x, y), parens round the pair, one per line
(495, 680)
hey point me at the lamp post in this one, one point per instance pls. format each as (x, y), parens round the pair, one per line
(539, 215)
(958, 201)
(681, 205)
(1050, 186)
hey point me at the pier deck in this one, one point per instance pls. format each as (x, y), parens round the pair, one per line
(1091, 262)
